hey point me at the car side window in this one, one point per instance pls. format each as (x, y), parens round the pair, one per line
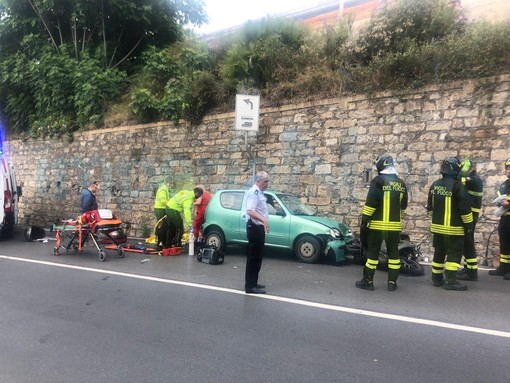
(232, 200)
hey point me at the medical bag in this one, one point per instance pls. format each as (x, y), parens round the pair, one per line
(211, 255)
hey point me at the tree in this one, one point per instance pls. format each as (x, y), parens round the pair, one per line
(61, 60)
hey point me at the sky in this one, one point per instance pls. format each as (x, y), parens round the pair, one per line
(229, 13)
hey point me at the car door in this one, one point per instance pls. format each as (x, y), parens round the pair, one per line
(232, 223)
(279, 222)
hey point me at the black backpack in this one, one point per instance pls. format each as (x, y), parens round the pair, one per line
(211, 255)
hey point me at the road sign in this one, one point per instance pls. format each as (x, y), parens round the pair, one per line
(247, 112)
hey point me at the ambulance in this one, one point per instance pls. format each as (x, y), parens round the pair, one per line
(9, 195)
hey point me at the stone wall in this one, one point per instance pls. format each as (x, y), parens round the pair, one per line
(321, 151)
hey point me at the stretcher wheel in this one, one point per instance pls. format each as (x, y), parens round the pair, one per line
(121, 253)
(102, 256)
(55, 251)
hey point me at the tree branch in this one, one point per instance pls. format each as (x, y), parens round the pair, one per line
(104, 31)
(129, 53)
(39, 14)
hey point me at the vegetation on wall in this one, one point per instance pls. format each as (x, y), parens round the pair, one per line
(59, 71)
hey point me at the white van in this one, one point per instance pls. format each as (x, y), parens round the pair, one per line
(9, 195)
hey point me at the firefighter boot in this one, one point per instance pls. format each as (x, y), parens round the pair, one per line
(507, 276)
(451, 283)
(367, 282)
(392, 279)
(467, 275)
(437, 280)
(500, 271)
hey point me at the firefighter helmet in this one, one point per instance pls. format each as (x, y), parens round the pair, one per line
(383, 161)
(465, 167)
(451, 166)
(507, 163)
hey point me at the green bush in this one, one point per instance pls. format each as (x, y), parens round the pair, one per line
(483, 50)
(166, 86)
(266, 52)
(56, 94)
(406, 24)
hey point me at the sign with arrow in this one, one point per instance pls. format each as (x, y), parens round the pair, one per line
(247, 112)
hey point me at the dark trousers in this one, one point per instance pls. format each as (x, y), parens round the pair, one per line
(161, 226)
(469, 247)
(374, 239)
(256, 239)
(504, 242)
(447, 255)
(175, 228)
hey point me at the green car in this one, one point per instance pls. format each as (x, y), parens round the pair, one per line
(292, 224)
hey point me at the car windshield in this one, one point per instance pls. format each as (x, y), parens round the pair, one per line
(294, 205)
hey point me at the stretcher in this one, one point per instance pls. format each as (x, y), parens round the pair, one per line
(98, 226)
(134, 249)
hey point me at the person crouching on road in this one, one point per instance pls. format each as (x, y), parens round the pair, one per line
(182, 202)
(449, 208)
(257, 225)
(382, 221)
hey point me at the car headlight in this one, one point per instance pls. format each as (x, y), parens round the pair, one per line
(335, 233)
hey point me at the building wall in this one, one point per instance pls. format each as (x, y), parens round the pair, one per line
(361, 11)
(320, 151)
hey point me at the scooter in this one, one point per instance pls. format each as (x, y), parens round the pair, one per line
(408, 251)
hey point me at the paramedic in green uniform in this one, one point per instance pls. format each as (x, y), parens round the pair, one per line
(182, 202)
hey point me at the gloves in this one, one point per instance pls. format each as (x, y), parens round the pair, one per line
(363, 233)
(364, 222)
(468, 230)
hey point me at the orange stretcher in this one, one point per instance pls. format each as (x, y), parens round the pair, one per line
(99, 226)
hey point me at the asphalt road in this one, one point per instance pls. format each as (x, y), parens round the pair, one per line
(147, 318)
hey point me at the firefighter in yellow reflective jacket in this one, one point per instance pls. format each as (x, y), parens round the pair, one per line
(182, 202)
(449, 209)
(504, 228)
(382, 221)
(470, 178)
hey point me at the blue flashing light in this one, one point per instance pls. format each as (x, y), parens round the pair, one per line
(1, 136)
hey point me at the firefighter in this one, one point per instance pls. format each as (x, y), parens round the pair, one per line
(449, 208)
(470, 178)
(504, 228)
(382, 221)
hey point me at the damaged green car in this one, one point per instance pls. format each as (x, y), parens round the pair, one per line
(293, 226)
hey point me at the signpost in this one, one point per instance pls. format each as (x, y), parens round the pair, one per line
(247, 119)
(247, 113)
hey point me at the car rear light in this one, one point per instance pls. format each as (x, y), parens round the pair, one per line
(7, 201)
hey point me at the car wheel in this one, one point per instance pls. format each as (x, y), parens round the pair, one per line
(215, 238)
(308, 249)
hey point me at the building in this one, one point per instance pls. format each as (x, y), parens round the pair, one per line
(329, 12)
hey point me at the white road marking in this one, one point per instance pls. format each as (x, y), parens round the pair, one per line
(375, 314)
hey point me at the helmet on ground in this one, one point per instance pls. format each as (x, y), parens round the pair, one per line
(383, 161)
(451, 166)
(507, 163)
